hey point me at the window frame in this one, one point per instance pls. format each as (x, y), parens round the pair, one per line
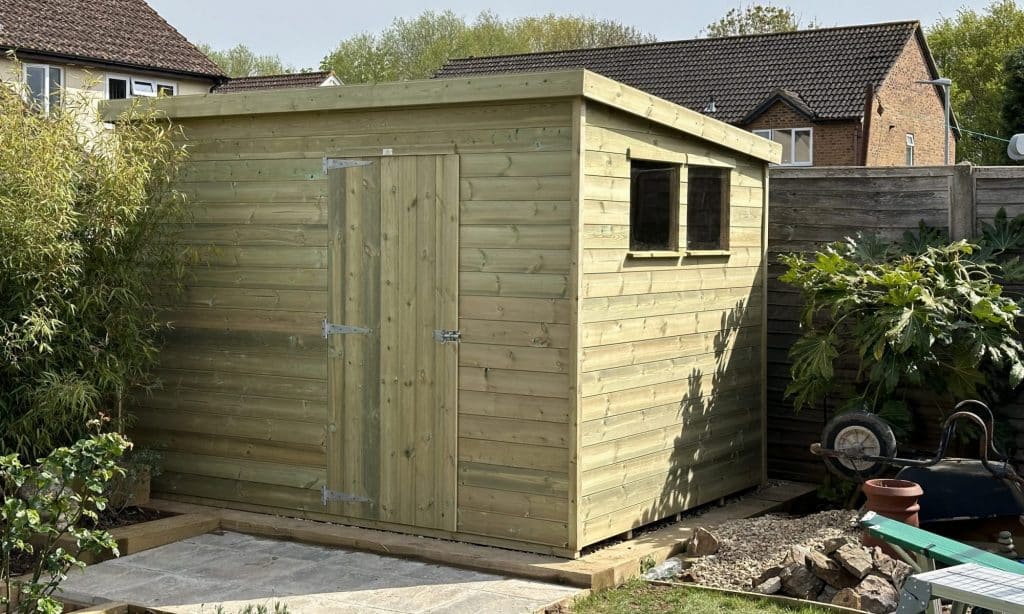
(672, 249)
(127, 85)
(724, 219)
(130, 83)
(769, 133)
(911, 150)
(46, 85)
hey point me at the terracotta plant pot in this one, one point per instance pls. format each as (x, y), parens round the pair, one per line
(896, 499)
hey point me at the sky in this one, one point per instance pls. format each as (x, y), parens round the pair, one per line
(302, 32)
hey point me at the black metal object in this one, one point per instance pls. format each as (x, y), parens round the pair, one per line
(959, 489)
(997, 466)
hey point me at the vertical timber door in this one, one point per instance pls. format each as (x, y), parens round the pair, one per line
(393, 269)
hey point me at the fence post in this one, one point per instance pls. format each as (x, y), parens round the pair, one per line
(961, 202)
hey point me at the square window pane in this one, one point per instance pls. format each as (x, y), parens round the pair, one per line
(707, 218)
(654, 206)
(143, 88)
(164, 90)
(802, 146)
(784, 138)
(35, 79)
(55, 85)
(117, 89)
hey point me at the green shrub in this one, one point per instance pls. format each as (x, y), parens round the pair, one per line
(87, 225)
(918, 315)
(40, 505)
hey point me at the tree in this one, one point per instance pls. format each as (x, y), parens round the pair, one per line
(416, 48)
(755, 19)
(87, 223)
(971, 49)
(1013, 94)
(240, 61)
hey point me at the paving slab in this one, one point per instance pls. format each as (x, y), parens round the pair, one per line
(233, 570)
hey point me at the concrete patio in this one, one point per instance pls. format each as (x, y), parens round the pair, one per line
(234, 569)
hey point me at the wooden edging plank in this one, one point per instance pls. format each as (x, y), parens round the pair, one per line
(605, 568)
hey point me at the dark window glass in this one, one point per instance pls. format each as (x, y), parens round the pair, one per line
(35, 79)
(707, 208)
(118, 88)
(654, 206)
(55, 85)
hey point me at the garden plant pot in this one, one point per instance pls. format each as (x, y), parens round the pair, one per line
(896, 499)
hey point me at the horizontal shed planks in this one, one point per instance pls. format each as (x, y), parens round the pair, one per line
(670, 347)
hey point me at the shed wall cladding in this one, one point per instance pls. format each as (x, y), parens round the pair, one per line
(670, 376)
(243, 410)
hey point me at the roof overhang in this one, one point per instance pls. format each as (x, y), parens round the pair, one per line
(433, 92)
(23, 54)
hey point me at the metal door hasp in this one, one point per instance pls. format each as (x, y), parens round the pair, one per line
(447, 336)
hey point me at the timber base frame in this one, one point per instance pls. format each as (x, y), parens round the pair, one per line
(605, 568)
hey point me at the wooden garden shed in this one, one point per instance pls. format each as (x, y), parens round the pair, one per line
(522, 310)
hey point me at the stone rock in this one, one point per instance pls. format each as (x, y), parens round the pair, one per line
(884, 563)
(855, 560)
(826, 594)
(769, 586)
(800, 582)
(847, 598)
(877, 595)
(796, 554)
(768, 574)
(835, 543)
(829, 571)
(702, 543)
(900, 574)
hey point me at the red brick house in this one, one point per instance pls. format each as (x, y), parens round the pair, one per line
(832, 96)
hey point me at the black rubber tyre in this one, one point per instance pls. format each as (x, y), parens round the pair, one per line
(858, 430)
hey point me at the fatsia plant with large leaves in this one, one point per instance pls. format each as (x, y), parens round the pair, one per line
(915, 315)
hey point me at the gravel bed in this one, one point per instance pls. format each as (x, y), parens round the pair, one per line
(749, 546)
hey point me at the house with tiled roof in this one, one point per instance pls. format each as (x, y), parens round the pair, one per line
(104, 49)
(323, 78)
(846, 96)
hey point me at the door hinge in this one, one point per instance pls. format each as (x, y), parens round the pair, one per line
(327, 496)
(342, 329)
(333, 163)
(447, 336)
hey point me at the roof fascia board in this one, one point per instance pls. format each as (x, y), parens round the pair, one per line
(610, 92)
(105, 64)
(526, 86)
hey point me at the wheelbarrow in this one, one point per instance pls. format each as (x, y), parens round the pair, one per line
(860, 446)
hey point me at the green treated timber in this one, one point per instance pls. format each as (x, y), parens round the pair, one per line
(936, 547)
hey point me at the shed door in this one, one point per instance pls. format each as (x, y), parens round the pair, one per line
(393, 267)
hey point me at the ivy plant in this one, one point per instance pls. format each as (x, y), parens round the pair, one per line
(919, 314)
(40, 505)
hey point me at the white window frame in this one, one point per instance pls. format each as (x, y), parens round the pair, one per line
(137, 88)
(131, 81)
(911, 151)
(127, 84)
(46, 83)
(769, 134)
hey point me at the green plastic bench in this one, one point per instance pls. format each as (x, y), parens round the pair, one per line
(939, 549)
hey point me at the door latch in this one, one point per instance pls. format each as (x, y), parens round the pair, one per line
(327, 496)
(447, 336)
(342, 329)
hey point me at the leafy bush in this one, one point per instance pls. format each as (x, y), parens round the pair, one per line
(918, 315)
(87, 223)
(40, 505)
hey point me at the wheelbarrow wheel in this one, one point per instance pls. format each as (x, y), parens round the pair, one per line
(857, 433)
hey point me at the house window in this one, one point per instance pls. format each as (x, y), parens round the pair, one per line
(910, 150)
(797, 144)
(44, 84)
(120, 87)
(707, 208)
(653, 206)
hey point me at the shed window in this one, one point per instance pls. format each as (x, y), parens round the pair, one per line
(653, 206)
(797, 144)
(707, 208)
(44, 84)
